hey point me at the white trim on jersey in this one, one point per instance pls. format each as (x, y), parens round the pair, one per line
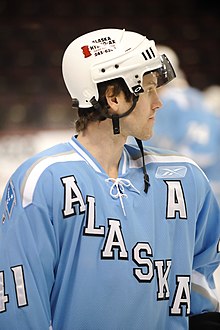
(38, 168)
(200, 284)
(124, 166)
(154, 158)
(84, 155)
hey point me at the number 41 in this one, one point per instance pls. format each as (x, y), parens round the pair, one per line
(20, 290)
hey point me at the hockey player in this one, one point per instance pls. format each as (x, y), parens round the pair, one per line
(100, 235)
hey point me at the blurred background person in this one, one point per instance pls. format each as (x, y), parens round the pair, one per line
(212, 99)
(186, 122)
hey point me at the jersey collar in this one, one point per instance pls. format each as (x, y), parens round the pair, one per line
(85, 154)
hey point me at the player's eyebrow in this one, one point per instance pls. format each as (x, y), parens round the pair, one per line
(152, 83)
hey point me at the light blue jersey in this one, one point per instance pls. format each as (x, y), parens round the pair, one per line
(82, 251)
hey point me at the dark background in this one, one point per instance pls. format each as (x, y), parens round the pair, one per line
(34, 35)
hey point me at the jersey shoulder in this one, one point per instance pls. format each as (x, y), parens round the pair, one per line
(25, 178)
(47, 157)
(159, 156)
(149, 151)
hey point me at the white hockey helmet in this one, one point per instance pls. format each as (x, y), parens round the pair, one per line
(107, 54)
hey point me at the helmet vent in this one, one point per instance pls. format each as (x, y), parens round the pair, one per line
(148, 54)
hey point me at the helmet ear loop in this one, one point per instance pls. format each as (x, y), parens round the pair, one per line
(115, 118)
(104, 112)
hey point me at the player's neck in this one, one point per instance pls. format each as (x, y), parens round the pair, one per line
(104, 146)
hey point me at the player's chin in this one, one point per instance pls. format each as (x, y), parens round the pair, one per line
(146, 135)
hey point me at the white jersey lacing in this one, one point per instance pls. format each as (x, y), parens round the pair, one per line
(118, 187)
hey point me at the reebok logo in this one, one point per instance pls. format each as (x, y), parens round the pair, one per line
(170, 172)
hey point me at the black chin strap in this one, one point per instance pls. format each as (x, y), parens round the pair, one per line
(116, 130)
(146, 176)
(114, 118)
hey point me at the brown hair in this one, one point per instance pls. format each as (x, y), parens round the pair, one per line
(86, 115)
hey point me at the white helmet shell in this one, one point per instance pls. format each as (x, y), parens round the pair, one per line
(104, 55)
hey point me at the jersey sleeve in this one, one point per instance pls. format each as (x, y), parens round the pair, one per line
(27, 259)
(204, 297)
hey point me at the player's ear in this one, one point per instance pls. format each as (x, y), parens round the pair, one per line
(113, 100)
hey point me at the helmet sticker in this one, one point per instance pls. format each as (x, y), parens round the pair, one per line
(99, 47)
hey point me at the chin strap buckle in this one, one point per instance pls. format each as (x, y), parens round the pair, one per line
(115, 124)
